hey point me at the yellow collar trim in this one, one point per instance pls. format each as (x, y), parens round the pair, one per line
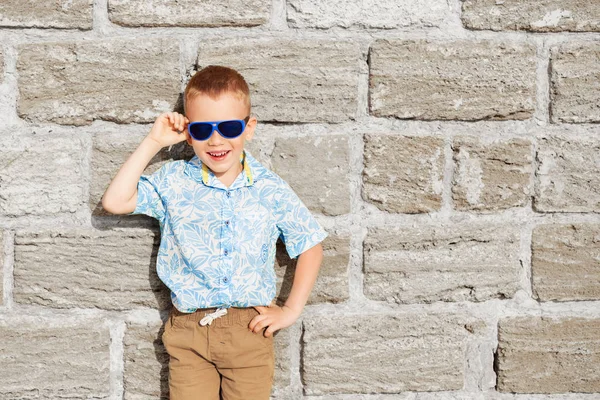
(246, 169)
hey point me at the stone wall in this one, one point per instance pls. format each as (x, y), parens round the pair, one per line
(450, 148)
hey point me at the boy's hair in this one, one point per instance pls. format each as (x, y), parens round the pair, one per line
(214, 80)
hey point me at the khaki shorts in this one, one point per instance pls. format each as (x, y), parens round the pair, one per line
(223, 360)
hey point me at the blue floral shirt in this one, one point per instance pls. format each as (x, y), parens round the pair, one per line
(217, 245)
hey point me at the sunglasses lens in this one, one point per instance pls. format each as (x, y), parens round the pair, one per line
(200, 131)
(230, 129)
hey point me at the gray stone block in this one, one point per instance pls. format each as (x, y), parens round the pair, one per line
(491, 176)
(111, 270)
(73, 14)
(532, 15)
(564, 262)
(371, 14)
(403, 174)
(457, 262)
(574, 82)
(383, 353)
(548, 355)
(452, 80)
(189, 13)
(121, 80)
(42, 172)
(567, 177)
(61, 359)
(317, 170)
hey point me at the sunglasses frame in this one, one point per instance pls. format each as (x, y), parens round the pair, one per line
(215, 127)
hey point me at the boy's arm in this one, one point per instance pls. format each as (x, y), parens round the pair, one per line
(121, 196)
(307, 269)
(302, 235)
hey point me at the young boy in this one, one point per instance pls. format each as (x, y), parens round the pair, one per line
(220, 216)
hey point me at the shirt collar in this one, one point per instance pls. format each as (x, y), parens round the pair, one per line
(199, 171)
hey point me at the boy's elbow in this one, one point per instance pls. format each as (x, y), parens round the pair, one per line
(110, 206)
(118, 207)
(107, 205)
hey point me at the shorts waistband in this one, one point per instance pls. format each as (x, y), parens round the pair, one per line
(217, 316)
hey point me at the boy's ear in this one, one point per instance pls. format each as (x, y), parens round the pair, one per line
(250, 126)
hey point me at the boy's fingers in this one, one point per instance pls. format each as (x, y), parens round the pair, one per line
(257, 325)
(269, 331)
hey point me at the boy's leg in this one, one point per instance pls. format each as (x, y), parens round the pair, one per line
(191, 375)
(247, 364)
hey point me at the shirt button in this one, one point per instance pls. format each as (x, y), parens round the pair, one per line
(226, 222)
(226, 252)
(226, 279)
(228, 193)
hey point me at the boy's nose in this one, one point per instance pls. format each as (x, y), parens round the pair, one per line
(215, 138)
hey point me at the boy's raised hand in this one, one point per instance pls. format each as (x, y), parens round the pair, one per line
(167, 127)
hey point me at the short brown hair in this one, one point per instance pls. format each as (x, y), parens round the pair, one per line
(214, 80)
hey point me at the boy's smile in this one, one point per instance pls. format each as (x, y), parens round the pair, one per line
(220, 154)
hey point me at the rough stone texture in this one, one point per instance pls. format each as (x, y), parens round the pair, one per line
(423, 179)
(68, 360)
(331, 285)
(568, 174)
(283, 356)
(491, 176)
(293, 80)
(565, 262)
(121, 80)
(385, 353)
(317, 169)
(452, 80)
(545, 355)
(403, 174)
(146, 362)
(532, 15)
(575, 82)
(112, 149)
(186, 13)
(1, 267)
(469, 262)
(46, 14)
(41, 173)
(117, 270)
(371, 14)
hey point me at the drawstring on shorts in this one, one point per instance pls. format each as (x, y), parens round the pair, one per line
(208, 319)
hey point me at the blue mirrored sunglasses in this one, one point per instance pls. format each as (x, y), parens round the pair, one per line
(228, 128)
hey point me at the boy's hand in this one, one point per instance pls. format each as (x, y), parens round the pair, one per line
(274, 317)
(166, 128)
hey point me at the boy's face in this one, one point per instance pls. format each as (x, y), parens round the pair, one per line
(227, 106)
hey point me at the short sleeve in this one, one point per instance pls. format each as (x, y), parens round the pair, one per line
(299, 228)
(149, 198)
